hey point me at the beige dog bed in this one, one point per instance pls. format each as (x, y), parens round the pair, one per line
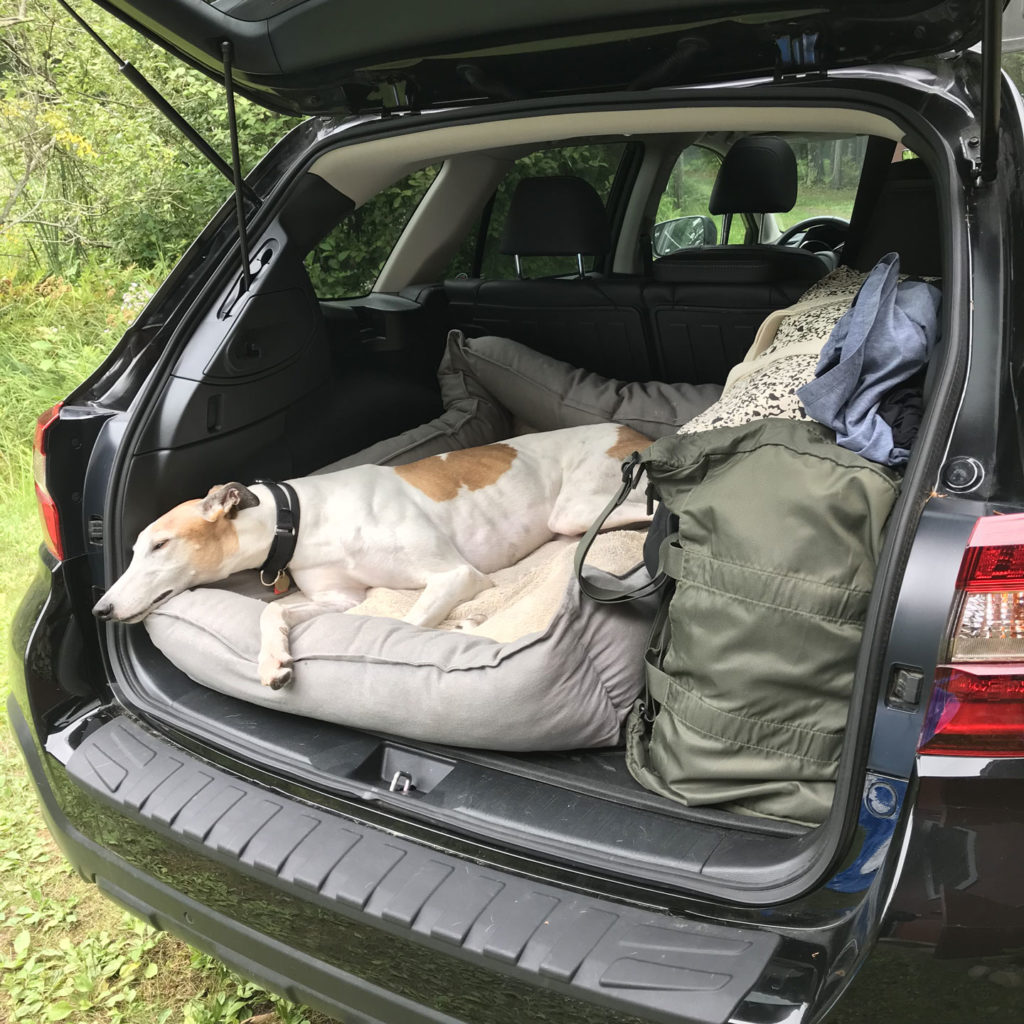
(542, 669)
(525, 665)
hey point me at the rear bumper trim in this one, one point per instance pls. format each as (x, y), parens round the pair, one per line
(627, 959)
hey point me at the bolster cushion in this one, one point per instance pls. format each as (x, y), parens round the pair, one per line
(569, 685)
(490, 385)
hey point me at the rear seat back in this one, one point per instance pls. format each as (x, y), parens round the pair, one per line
(592, 321)
(904, 219)
(703, 324)
(705, 304)
(698, 315)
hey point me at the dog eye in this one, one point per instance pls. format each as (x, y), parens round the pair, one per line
(159, 544)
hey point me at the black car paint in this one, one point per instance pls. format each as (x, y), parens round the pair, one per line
(338, 962)
(868, 94)
(869, 902)
(324, 56)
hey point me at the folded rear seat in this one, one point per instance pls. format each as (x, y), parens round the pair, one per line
(592, 321)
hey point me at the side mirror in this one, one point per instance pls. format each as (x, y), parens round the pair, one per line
(683, 233)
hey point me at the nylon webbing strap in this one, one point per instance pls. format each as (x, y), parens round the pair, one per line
(659, 683)
(632, 471)
(670, 559)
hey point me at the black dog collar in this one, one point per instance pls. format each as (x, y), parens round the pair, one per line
(286, 532)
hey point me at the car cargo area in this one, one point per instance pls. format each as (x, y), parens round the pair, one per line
(286, 379)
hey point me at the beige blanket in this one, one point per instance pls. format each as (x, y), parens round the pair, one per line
(524, 597)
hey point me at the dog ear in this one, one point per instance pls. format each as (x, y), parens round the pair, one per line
(226, 500)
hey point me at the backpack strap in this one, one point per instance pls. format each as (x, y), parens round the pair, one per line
(633, 470)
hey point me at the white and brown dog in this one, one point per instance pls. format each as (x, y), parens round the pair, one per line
(440, 524)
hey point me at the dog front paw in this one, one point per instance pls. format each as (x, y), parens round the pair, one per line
(275, 672)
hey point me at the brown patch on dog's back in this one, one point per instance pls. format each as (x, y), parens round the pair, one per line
(627, 442)
(210, 543)
(440, 477)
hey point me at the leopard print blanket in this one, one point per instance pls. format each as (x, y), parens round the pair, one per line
(764, 385)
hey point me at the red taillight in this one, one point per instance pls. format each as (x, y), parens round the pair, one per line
(47, 508)
(997, 567)
(976, 713)
(977, 705)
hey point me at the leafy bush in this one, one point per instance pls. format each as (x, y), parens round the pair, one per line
(347, 261)
(91, 169)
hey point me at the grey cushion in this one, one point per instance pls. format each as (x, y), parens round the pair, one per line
(489, 384)
(471, 417)
(567, 686)
(549, 394)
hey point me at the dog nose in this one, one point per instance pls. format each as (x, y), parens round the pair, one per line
(104, 610)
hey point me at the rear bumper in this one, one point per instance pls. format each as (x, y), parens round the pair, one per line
(368, 925)
(300, 977)
(361, 923)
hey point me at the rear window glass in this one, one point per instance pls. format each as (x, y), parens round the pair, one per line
(683, 220)
(347, 262)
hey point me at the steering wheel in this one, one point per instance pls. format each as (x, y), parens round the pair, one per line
(832, 235)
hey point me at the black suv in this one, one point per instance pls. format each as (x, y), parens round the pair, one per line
(491, 886)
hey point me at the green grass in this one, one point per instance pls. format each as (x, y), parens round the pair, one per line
(66, 953)
(819, 201)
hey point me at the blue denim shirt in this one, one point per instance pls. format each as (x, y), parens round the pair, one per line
(885, 337)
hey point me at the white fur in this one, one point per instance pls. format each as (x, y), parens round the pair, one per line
(367, 526)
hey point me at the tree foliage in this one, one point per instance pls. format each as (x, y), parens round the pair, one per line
(90, 171)
(87, 165)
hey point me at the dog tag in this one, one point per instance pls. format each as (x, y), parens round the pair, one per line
(282, 582)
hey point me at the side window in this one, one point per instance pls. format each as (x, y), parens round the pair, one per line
(479, 255)
(346, 262)
(829, 172)
(683, 220)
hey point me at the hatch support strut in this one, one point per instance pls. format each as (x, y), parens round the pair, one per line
(991, 80)
(236, 166)
(146, 88)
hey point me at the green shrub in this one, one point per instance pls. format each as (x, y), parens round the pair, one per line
(92, 169)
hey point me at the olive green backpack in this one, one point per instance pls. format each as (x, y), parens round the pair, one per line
(766, 581)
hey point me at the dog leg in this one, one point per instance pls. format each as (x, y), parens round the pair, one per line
(275, 664)
(278, 617)
(444, 590)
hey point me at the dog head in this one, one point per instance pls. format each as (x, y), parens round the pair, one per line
(192, 544)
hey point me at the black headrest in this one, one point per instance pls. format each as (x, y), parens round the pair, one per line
(905, 219)
(758, 175)
(556, 216)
